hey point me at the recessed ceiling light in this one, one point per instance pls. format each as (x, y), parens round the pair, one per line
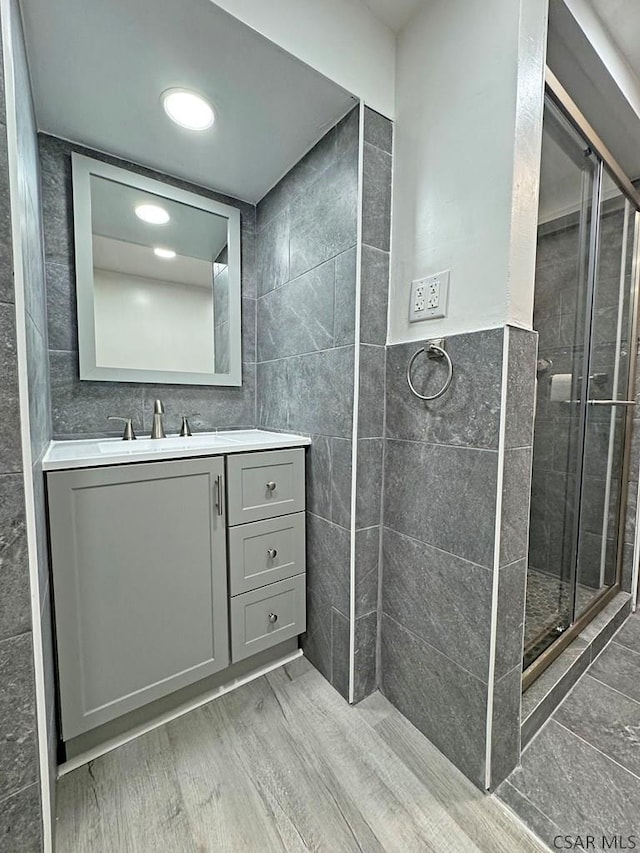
(188, 109)
(152, 213)
(166, 254)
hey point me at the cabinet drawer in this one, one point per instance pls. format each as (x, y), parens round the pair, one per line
(253, 626)
(264, 552)
(265, 485)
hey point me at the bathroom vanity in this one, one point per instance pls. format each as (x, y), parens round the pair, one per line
(172, 561)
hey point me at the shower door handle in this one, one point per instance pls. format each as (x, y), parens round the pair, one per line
(611, 402)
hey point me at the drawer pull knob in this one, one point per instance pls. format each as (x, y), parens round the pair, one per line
(273, 618)
(272, 552)
(271, 486)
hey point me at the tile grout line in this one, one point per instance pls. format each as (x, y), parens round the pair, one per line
(596, 749)
(493, 640)
(614, 689)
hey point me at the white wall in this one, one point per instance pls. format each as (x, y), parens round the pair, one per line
(340, 38)
(152, 325)
(469, 90)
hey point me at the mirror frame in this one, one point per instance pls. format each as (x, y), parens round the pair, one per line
(82, 170)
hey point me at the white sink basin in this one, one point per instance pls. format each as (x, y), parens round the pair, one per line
(162, 445)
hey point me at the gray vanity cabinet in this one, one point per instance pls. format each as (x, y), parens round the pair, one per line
(140, 584)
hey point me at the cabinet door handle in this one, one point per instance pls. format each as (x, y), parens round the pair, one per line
(273, 618)
(219, 497)
(272, 552)
(271, 486)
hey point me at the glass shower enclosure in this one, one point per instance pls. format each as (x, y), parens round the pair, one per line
(584, 313)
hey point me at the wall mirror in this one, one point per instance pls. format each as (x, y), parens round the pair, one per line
(158, 280)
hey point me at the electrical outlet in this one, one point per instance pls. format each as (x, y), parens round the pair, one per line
(429, 297)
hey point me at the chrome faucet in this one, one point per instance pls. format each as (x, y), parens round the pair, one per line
(157, 430)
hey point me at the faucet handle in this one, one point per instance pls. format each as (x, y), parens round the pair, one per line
(185, 429)
(128, 434)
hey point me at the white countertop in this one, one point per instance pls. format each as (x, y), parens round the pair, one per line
(94, 452)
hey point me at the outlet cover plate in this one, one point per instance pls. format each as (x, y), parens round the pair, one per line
(429, 297)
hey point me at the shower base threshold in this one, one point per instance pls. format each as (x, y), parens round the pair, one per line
(541, 699)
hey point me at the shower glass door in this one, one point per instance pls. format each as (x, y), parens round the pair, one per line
(607, 399)
(582, 313)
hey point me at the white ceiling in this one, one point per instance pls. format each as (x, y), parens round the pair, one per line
(622, 19)
(394, 13)
(98, 69)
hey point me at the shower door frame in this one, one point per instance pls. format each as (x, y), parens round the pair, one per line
(561, 98)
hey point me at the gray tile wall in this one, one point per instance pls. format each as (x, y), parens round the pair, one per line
(81, 408)
(306, 247)
(306, 322)
(440, 489)
(374, 296)
(20, 807)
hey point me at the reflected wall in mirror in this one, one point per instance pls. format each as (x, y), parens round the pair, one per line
(158, 280)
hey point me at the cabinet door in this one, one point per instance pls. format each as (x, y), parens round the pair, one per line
(140, 584)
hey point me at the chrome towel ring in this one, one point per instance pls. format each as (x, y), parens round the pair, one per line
(431, 350)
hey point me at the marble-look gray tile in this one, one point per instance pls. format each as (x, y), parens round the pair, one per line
(531, 816)
(446, 703)
(345, 298)
(210, 407)
(516, 497)
(10, 445)
(561, 776)
(18, 754)
(272, 246)
(347, 133)
(57, 205)
(629, 634)
(457, 619)
(39, 388)
(378, 130)
(510, 631)
(444, 496)
(316, 641)
(298, 317)
(84, 407)
(374, 296)
(505, 731)
(328, 557)
(318, 476)
(20, 824)
(619, 667)
(248, 330)
(376, 198)
(366, 634)
(324, 219)
(369, 481)
(604, 718)
(545, 694)
(367, 570)
(469, 413)
(340, 483)
(603, 626)
(6, 243)
(272, 398)
(321, 392)
(340, 645)
(15, 592)
(12, 520)
(371, 403)
(521, 387)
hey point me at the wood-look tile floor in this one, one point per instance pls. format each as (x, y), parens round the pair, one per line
(282, 764)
